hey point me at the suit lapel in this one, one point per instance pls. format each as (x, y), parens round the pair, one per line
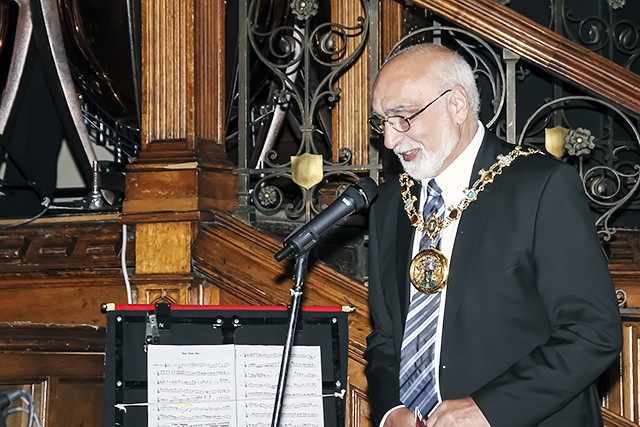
(467, 235)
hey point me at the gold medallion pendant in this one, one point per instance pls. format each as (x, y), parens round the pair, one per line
(429, 271)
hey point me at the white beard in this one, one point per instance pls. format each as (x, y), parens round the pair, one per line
(428, 164)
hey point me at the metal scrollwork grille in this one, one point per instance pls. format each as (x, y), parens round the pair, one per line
(292, 66)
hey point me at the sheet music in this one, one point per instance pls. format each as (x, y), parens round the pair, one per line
(232, 385)
(191, 384)
(258, 368)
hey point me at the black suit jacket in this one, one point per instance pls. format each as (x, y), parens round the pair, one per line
(531, 319)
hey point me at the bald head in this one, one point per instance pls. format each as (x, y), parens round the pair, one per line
(425, 101)
(435, 64)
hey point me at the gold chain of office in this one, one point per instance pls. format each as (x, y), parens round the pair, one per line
(430, 268)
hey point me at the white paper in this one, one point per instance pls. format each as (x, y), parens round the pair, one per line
(191, 384)
(258, 369)
(232, 385)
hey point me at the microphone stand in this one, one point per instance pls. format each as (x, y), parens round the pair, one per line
(296, 301)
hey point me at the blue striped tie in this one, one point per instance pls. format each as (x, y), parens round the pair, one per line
(417, 359)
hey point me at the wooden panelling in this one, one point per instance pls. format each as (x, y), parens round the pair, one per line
(54, 275)
(350, 129)
(623, 250)
(233, 265)
(60, 366)
(74, 243)
(164, 247)
(59, 300)
(218, 190)
(64, 409)
(61, 270)
(162, 191)
(163, 270)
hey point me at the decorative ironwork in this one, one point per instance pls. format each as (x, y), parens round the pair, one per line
(609, 165)
(617, 4)
(579, 142)
(605, 31)
(304, 9)
(303, 58)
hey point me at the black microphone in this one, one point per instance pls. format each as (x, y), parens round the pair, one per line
(353, 198)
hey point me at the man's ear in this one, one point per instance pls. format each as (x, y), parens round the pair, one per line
(459, 104)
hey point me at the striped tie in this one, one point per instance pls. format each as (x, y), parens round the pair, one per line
(417, 359)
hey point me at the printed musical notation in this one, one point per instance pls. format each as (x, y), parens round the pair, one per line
(232, 385)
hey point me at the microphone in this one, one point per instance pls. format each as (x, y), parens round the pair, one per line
(353, 198)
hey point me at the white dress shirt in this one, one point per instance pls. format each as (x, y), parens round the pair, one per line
(453, 181)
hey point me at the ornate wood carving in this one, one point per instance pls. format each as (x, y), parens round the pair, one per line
(182, 168)
(350, 129)
(182, 172)
(183, 76)
(623, 251)
(61, 270)
(91, 242)
(61, 366)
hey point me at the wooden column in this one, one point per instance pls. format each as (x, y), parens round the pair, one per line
(181, 174)
(392, 29)
(350, 129)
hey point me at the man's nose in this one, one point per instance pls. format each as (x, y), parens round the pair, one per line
(392, 137)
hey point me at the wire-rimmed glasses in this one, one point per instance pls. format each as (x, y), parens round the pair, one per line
(399, 123)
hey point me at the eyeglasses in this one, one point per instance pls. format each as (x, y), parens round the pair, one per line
(399, 123)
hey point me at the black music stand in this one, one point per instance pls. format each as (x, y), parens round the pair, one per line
(130, 328)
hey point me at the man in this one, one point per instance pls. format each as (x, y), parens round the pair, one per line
(528, 318)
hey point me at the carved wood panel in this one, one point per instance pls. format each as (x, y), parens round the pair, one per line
(60, 366)
(61, 270)
(622, 380)
(54, 275)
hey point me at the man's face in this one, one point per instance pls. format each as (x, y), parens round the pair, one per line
(425, 148)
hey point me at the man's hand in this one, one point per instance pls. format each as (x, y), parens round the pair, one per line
(457, 413)
(400, 417)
